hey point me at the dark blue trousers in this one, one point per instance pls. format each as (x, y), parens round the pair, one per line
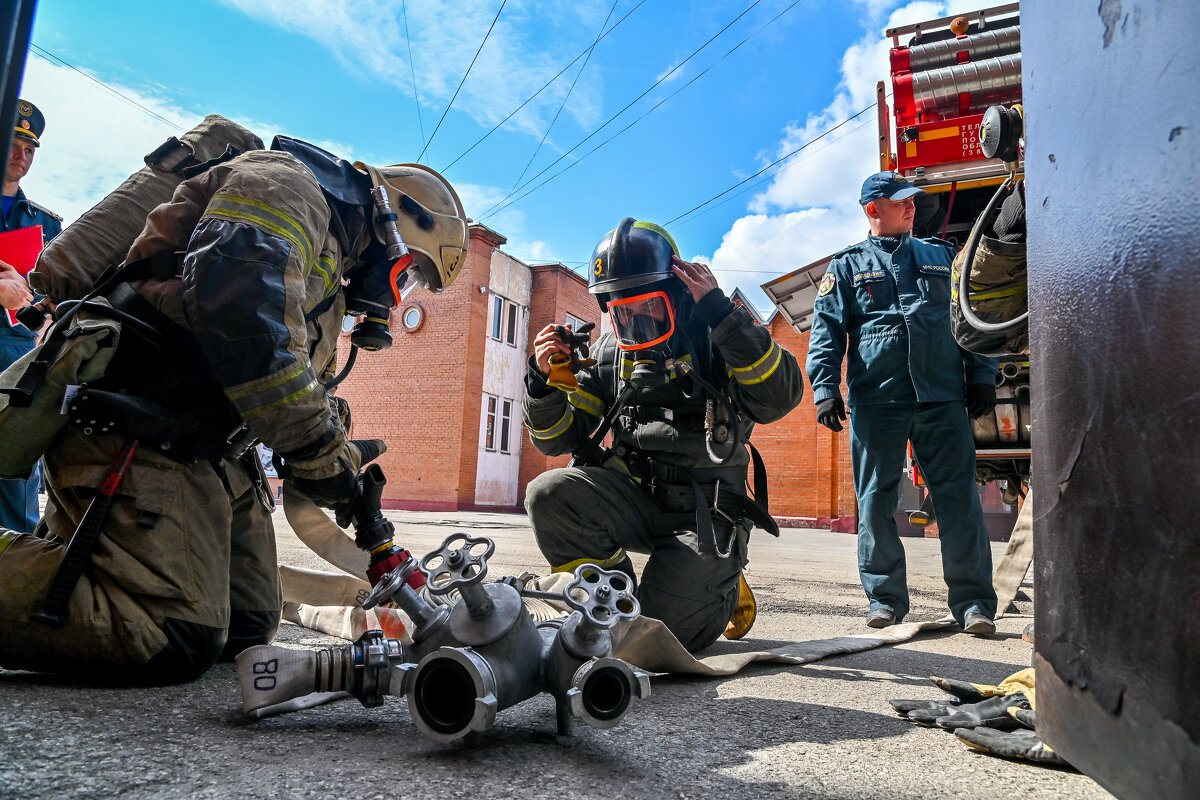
(945, 451)
(18, 498)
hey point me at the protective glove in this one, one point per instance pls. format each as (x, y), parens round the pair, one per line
(563, 369)
(1010, 223)
(831, 412)
(972, 703)
(981, 399)
(332, 484)
(1020, 743)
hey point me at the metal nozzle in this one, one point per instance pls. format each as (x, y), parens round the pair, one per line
(396, 248)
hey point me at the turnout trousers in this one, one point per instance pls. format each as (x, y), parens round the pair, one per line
(944, 449)
(185, 568)
(595, 515)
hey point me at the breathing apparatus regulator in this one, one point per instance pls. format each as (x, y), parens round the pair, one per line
(634, 282)
(420, 239)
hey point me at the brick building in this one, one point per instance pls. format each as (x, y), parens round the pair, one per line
(446, 397)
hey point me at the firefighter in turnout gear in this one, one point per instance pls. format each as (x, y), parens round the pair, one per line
(242, 281)
(680, 383)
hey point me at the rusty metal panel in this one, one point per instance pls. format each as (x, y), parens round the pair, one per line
(1113, 165)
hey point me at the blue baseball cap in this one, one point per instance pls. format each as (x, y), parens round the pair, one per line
(891, 185)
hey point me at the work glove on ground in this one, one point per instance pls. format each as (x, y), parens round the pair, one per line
(831, 412)
(1021, 743)
(981, 399)
(972, 704)
(333, 484)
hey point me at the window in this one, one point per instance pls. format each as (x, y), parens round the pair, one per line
(504, 320)
(489, 425)
(497, 423)
(574, 322)
(505, 424)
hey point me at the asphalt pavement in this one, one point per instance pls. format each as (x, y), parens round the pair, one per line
(821, 730)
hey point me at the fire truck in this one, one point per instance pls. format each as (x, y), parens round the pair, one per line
(945, 74)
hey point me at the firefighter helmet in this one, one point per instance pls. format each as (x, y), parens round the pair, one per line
(431, 219)
(632, 254)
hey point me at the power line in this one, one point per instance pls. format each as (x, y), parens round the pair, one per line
(766, 177)
(504, 203)
(411, 69)
(44, 53)
(529, 99)
(772, 164)
(464, 78)
(563, 105)
(649, 111)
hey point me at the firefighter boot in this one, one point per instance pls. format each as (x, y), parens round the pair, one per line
(744, 613)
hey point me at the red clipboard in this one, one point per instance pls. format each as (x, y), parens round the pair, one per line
(20, 249)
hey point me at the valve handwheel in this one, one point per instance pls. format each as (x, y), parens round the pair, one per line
(457, 567)
(602, 596)
(389, 584)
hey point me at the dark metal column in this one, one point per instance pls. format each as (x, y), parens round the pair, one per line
(16, 21)
(1113, 165)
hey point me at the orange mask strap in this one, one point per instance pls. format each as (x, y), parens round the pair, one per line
(402, 263)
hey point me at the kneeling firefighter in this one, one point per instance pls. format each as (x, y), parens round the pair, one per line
(156, 554)
(680, 383)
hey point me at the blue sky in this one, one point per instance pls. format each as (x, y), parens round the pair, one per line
(341, 73)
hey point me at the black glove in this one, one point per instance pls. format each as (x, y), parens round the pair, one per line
(981, 399)
(1021, 743)
(831, 412)
(1010, 224)
(334, 485)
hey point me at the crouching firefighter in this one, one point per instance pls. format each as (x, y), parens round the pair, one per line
(680, 383)
(156, 555)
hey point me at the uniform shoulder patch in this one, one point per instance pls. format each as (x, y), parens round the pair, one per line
(826, 285)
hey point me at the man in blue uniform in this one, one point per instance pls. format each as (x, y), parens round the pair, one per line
(19, 498)
(885, 305)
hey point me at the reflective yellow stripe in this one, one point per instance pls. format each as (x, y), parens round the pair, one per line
(759, 371)
(611, 561)
(1006, 292)
(291, 398)
(241, 209)
(563, 424)
(325, 267)
(585, 401)
(7, 538)
(278, 380)
(628, 361)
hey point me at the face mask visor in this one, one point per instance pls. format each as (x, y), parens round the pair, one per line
(642, 321)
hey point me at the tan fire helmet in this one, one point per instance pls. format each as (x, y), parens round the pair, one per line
(432, 221)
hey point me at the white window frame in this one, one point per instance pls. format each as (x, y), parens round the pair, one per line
(505, 320)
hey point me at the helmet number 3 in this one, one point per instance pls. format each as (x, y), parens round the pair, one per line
(599, 266)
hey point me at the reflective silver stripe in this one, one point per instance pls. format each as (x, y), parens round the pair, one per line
(587, 402)
(557, 428)
(760, 370)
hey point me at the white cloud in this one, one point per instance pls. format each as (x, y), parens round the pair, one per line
(368, 37)
(810, 207)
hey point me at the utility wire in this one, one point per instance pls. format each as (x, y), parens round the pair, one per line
(563, 105)
(772, 164)
(411, 69)
(464, 79)
(529, 99)
(767, 176)
(44, 53)
(504, 203)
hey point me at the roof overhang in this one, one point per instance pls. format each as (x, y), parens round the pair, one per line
(794, 293)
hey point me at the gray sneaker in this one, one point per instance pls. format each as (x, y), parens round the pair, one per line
(978, 624)
(881, 618)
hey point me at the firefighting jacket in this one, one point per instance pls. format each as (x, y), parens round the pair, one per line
(889, 315)
(265, 250)
(666, 422)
